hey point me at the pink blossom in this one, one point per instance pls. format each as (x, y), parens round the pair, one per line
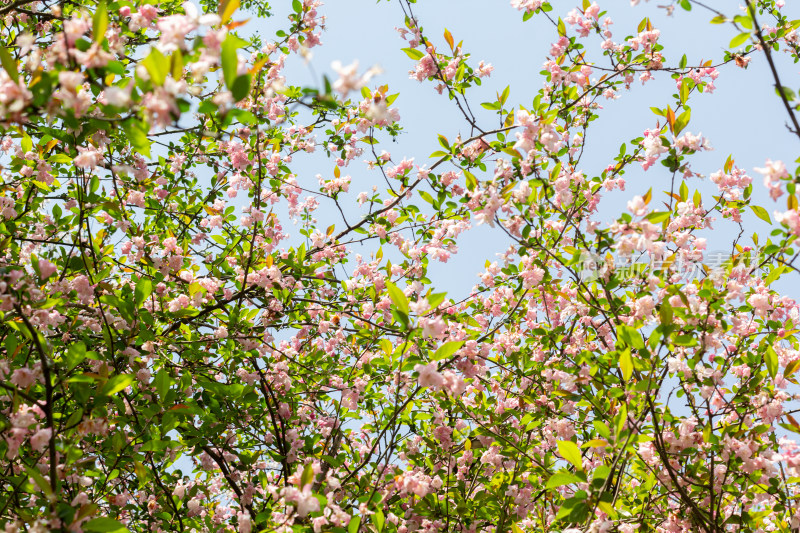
(88, 157)
(484, 69)
(117, 96)
(644, 306)
(305, 499)
(41, 438)
(426, 67)
(592, 11)
(148, 11)
(773, 173)
(174, 28)
(637, 206)
(429, 376)
(244, 522)
(46, 268)
(14, 96)
(453, 383)
(759, 303)
(790, 218)
(23, 378)
(433, 327)
(527, 5)
(349, 80)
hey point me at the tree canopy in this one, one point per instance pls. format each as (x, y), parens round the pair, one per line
(185, 346)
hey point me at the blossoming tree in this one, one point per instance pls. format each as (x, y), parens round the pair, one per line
(176, 356)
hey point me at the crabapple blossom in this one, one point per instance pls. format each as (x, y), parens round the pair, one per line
(218, 304)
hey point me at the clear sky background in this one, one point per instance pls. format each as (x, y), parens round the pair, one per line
(743, 117)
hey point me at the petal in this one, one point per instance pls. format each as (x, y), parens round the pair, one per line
(190, 10)
(210, 19)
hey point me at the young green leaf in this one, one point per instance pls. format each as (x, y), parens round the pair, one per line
(100, 22)
(562, 478)
(570, 451)
(398, 297)
(447, 349)
(157, 66)
(739, 40)
(9, 63)
(761, 213)
(414, 54)
(241, 87)
(227, 8)
(626, 364)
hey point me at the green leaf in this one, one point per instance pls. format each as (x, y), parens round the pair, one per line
(626, 364)
(665, 313)
(684, 340)
(9, 63)
(229, 60)
(774, 274)
(144, 288)
(60, 158)
(436, 299)
(227, 8)
(76, 352)
(447, 349)
(241, 87)
(602, 429)
(162, 383)
(562, 478)
(472, 181)
(307, 476)
(136, 132)
(771, 359)
(569, 451)
(104, 524)
(416, 55)
(745, 21)
(761, 213)
(116, 384)
(40, 481)
(352, 527)
(100, 22)
(620, 420)
(207, 107)
(398, 297)
(630, 336)
(379, 519)
(739, 40)
(685, 88)
(176, 64)
(682, 121)
(157, 66)
(657, 216)
(786, 92)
